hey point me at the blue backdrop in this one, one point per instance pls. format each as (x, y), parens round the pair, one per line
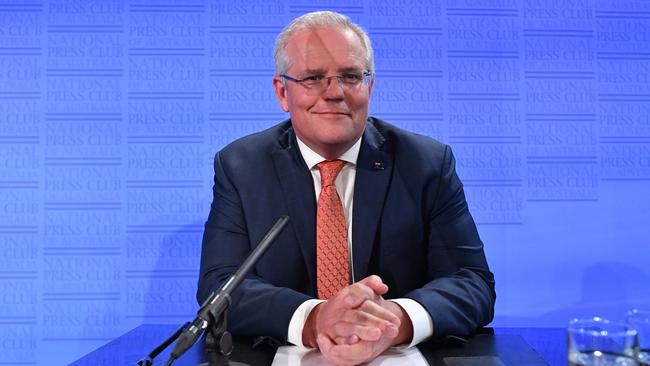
(111, 112)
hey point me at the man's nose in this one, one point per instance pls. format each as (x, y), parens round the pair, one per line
(334, 87)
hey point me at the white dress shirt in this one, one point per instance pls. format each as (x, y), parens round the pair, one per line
(344, 183)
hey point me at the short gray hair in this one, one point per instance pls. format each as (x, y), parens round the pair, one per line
(312, 21)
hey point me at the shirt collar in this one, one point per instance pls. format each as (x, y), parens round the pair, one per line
(312, 158)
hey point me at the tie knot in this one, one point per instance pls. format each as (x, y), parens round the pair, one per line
(328, 171)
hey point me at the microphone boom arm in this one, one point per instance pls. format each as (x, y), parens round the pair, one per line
(212, 313)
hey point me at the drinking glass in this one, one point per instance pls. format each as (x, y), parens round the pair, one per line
(599, 342)
(640, 321)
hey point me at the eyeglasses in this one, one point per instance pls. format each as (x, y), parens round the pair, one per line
(318, 83)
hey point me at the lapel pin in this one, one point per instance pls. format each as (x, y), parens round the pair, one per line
(378, 165)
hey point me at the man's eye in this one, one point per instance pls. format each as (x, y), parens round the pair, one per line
(351, 78)
(313, 78)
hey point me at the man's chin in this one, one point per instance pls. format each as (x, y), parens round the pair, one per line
(338, 140)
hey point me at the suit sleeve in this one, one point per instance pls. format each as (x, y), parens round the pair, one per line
(460, 293)
(258, 308)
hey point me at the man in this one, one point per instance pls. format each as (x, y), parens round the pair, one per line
(376, 212)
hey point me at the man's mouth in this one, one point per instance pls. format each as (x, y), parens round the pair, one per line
(333, 113)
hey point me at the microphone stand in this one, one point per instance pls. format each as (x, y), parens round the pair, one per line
(218, 344)
(211, 317)
(148, 361)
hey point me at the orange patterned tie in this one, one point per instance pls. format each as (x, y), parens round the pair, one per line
(332, 268)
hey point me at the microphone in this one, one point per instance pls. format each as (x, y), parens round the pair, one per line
(219, 301)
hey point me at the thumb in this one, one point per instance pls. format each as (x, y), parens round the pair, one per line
(376, 284)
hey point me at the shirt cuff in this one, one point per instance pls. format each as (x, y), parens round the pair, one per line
(420, 318)
(298, 319)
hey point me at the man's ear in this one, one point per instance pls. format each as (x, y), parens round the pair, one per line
(371, 84)
(280, 93)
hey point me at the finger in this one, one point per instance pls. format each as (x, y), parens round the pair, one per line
(356, 294)
(370, 288)
(376, 284)
(324, 343)
(346, 340)
(345, 329)
(379, 310)
(371, 279)
(367, 326)
(370, 314)
(354, 354)
(326, 347)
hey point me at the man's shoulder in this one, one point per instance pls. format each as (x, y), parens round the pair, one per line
(403, 141)
(261, 142)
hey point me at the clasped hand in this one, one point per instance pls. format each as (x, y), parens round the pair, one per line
(357, 324)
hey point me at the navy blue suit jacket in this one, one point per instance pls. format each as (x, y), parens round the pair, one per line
(411, 226)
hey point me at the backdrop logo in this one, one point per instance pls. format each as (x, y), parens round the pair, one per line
(111, 113)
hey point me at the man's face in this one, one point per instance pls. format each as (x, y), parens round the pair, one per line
(331, 121)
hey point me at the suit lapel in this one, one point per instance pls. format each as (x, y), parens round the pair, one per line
(298, 192)
(374, 169)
